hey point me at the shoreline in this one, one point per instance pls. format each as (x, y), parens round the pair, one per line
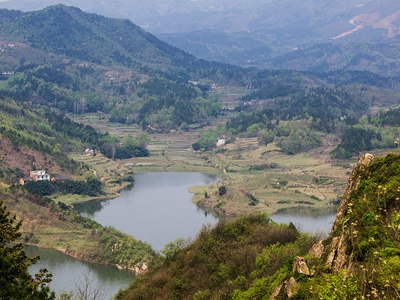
(136, 270)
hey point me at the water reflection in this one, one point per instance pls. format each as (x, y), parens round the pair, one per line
(158, 209)
(69, 274)
(309, 220)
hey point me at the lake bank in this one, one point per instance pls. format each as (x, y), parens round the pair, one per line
(70, 275)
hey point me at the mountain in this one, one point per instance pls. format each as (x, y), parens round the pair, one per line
(249, 33)
(69, 31)
(378, 57)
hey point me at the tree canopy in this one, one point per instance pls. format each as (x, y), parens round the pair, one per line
(15, 280)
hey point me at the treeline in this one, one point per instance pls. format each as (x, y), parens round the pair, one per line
(390, 117)
(163, 102)
(131, 147)
(69, 128)
(295, 123)
(323, 107)
(274, 84)
(90, 187)
(356, 139)
(41, 84)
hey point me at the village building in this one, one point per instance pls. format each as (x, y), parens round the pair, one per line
(39, 175)
(89, 152)
(221, 142)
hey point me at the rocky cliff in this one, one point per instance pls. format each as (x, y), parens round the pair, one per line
(361, 257)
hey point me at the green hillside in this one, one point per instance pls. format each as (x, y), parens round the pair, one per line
(251, 258)
(73, 33)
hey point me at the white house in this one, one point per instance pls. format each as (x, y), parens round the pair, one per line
(39, 175)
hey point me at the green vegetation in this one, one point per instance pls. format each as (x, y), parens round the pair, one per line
(91, 187)
(44, 133)
(131, 147)
(251, 258)
(15, 280)
(370, 228)
(159, 103)
(220, 263)
(388, 118)
(50, 224)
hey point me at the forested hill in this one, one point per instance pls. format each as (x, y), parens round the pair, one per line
(71, 32)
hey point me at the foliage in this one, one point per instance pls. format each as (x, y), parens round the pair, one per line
(357, 138)
(104, 245)
(371, 230)
(354, 140)
(172, 248)
(221, 190)
(130, 148)
(90, 187)
(324, 107)
(244, 121)
(272, 85)
(296, 138)
(388, 118)
(207, 140)
(221, 261)
(31, 127)
(15, 280)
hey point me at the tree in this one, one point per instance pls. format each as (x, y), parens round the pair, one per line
(15, 280)
(87, 289)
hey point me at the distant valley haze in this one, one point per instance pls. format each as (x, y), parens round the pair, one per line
(260, 33)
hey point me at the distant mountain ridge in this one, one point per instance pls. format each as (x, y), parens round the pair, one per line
(74, 33)
(249, 33)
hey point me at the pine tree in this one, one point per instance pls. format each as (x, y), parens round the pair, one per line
(15, 280)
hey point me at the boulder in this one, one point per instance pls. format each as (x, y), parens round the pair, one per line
(300, 266)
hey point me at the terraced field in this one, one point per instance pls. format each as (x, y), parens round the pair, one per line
(262, 178)
(257, 178)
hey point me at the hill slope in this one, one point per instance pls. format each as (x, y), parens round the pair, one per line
(69, 31)
(360, 258)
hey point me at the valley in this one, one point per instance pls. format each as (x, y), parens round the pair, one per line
(132, 132)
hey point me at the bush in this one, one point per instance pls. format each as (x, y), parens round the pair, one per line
(222, 191)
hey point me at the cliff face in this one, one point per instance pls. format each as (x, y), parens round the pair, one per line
(361, 257)
(339, 253)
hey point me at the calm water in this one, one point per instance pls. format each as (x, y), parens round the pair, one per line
(308, 219)
(69, 274)
(157, 210)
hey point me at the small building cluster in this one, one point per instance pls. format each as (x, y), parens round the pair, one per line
(41, 175)
(221, 141)
(89, 152)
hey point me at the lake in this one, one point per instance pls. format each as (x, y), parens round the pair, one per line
(309, 220)
(157, 210)
(69, 274)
